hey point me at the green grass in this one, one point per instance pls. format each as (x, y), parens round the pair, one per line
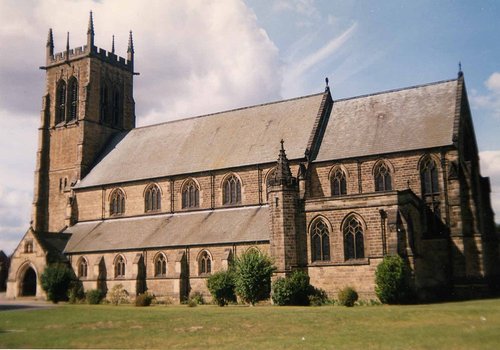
(459, 325)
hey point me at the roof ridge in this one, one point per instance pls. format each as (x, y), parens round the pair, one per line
(226, 111)
(395, 90)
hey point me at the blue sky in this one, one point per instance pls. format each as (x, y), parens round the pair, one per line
(197, 57)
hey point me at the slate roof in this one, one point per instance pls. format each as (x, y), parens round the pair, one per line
(407, 119)
(229, 139)
(236, 225)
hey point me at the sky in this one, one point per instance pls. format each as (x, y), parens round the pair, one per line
(200, 56)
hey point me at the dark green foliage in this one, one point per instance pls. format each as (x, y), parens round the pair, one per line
(144, 299)
(94, 296)
(75, 292)
(56, 279)
(197, 298)
(293, 290)
(221, 286)
(392, 280)
(253, 272)
(317, 296)
(347, 296)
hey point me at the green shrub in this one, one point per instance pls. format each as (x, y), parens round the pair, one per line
(221, 286)
(197, 298)
(94, 296)
(317, 297)
(292, 290)
(75, 292)
(56, 279)
(347, 296)
(192, 303)
(118, 295)
(392, 279)
(253, 272)
(144, 299)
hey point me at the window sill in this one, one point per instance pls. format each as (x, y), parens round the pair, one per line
(352, 262)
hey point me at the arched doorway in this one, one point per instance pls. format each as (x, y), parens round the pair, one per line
(28, 286)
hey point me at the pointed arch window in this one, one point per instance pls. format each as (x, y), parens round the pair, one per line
(119, 267)
(204, 263)
(190, 195)
(60, 101)
(320, 241)
(116, 108)
(117, 202)
(232, 191)
(104, 104)
(160, 265)
(152, 199)
(73, 99)
(383, 180)
(338, 183)
(83, 267)
(429, 177)
(354, 247)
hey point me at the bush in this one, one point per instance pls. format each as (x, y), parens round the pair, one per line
(392, 279)
(75, 292)
(192, 303)
(221, 286)
(197, 298)
(56, 279)
(144, 299)
(317, 297)
(347, 296)
(118, 295)
(253, 272)
(94, 296)
(293, 290)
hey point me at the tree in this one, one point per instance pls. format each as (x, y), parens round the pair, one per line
(253, 272)
(392, 279)
(56, 280)
(221, 286)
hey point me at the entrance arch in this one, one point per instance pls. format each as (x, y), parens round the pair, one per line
(28, 283)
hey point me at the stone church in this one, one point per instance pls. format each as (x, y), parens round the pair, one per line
(322, 185)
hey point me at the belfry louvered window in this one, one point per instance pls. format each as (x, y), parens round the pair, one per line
(354, 247)
(232, 190)
(338, 183)
(60, 101)
(383, 181)
(117, 202)
(104, 104)
(116, 108)
(73, 99)
(320, 241)
(152, 199)
(190, 195)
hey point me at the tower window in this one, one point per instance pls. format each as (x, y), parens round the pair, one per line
(320, 241)
(354, 247)
(383, 180)
(152, 198)
(116, 108)
(104, 110)
(190, 195)
(73, 99)
(117, 202)
(60, 101)
(232, 190)
(338, 183)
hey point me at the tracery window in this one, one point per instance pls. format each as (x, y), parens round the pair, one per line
(152, 199)
(60, 101)
(117, 202)
(320, 241)
(232, 190)
(429, 177)
(83, 267)
(119, 267)
(383, 180)
(28, 247)
(338, 183)
(73, 99)
(354, 247)
(160, 265)
(204, 263)
(190, 195)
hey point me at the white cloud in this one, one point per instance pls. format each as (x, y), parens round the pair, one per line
(490, 166)
(491, 100)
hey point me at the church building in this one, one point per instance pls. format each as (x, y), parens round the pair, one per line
(326, 186)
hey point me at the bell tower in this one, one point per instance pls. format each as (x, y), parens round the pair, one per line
(88, 99)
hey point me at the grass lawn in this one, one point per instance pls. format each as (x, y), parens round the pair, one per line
(458, 325)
